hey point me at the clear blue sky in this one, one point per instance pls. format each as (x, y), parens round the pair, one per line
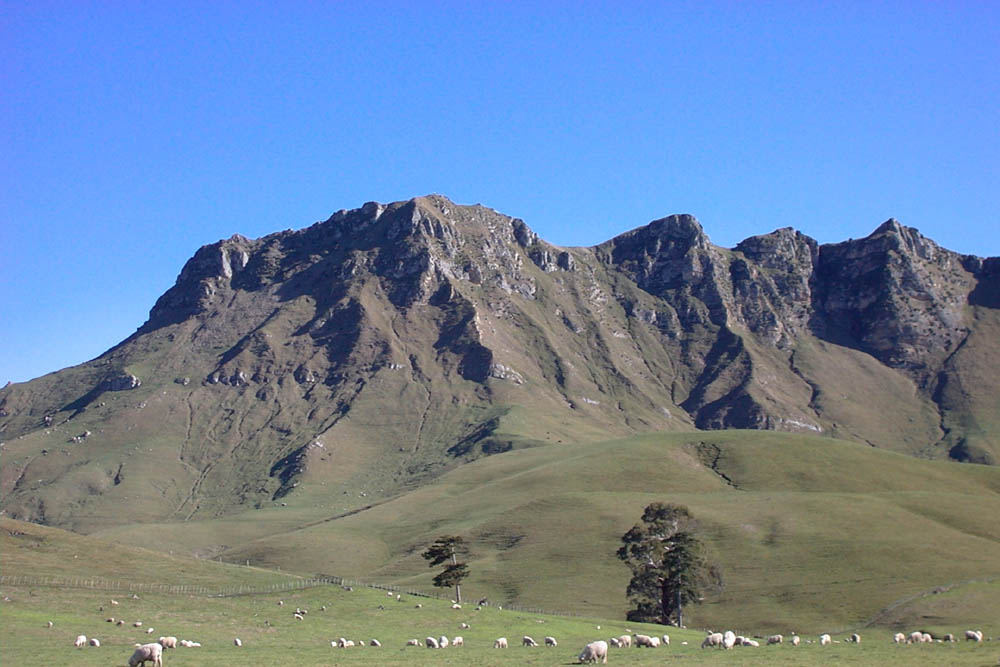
(133, 133)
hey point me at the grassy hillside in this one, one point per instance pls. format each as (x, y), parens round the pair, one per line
(812, 534)
(271, 636)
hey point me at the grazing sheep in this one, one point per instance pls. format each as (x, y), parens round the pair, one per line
(443, 642)
(463, 626)
(456, 606)
(167, 642)
(108, 620)
(625, 641)
(417, 606)
(150, 631)
(729, 640)
(186, 643)
(751, 642)
(298, 617)
(926, 638)
(551, 641)
(120, 623)
(413, 642)
(432, 642)
(643, 640)
(137, 624)
(375, 643)
(281, 603)
(458, 641)
(899, 638)
(915, 637)
(94, 641)
(775, 639)
(114, 602)
(666, 640)
(948, 638)
(824, 640)
(500, 642)
(528, 641)
(714, 639)
(973, 635)
(654, 642)
(595, 651)
(81, 641)
(614, 642)
(237, 642)
(855, 638)
(795, 641)
(146, 652)
(49, 624)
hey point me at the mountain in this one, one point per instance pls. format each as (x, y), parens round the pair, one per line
(389, 343)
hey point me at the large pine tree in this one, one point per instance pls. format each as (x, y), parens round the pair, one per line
(668, 563)
(447, 549)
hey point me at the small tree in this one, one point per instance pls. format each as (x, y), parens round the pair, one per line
(668, 564)
(447, 549)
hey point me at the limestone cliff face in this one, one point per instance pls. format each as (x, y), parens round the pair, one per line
(394, 341)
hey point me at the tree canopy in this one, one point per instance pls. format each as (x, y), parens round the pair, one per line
(668, 562)
(447, 549)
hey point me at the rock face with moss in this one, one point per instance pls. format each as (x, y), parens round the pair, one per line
(392, 342)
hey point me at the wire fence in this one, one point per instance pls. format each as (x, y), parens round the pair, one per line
(118, 586)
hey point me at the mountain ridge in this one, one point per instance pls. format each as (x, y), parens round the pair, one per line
(392, 342)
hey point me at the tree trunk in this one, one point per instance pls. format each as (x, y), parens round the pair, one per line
(680, 614)
(458, 587)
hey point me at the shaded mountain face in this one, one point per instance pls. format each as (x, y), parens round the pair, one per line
(369, 352)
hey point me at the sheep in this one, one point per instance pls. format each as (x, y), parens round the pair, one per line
(413, 642)
(775, 639)
(915, 637)
(973, 635)
(948, 637)
(186, 643)
(458, 641)
(375, 643)
(150, 631)
(855, 638)
(237, 642)
(528, 641)
(114, 602)
(298, 617)
(146, 652)
(80, 641)
(926, 638)
(751, 642)
(825, 640)
(714, 639)
(456, 606)
(595, 651)
(654, 642)
(107, 620)
(463, 626)
(417, 606)
(50, 624)
(729, 640)
(137, 624)
(443, 642)
(666, 640)
(500, 642)
(614, 642)
(625, 641)
(432, 642)
(94, 641)
(795, 640)
(167, 642)
(899, 638)
(643, 640)
(551, 641)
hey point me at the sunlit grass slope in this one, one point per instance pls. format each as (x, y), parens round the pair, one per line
(812, 534)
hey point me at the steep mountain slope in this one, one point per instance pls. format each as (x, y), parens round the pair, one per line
(366, 355)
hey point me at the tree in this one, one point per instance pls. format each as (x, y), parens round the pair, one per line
(447, 549)
(668, 563)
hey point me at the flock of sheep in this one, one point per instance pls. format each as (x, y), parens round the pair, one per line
(593, 652)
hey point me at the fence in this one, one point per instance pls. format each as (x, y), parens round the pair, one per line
(114, 585)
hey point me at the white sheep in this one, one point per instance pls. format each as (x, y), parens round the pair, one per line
(237, 642)
(926, 638)
(654, 642)
(137, 624)
(81, 641)
(899, 638)
(458, 641)
(463, 626)
(167, 642)
(666, 640)
(825, 640)
(528, 641)
(625, 641)
(186, 643)
(974, 635)
(376, 643)
(551, 641)
(643, 640)
(714, 639)
(49, 624)
(614, 642)
(751, 642)
(443, 642)
(729, 640)
(298, 617)
(432, 642)
(915, 637)
(500, 642)
(595, 651)
(948, 638)
(855, 638)
(456, 606)
(795, 641)
(147, 652)
(413, 642)
(775, 639)
(94, 641)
